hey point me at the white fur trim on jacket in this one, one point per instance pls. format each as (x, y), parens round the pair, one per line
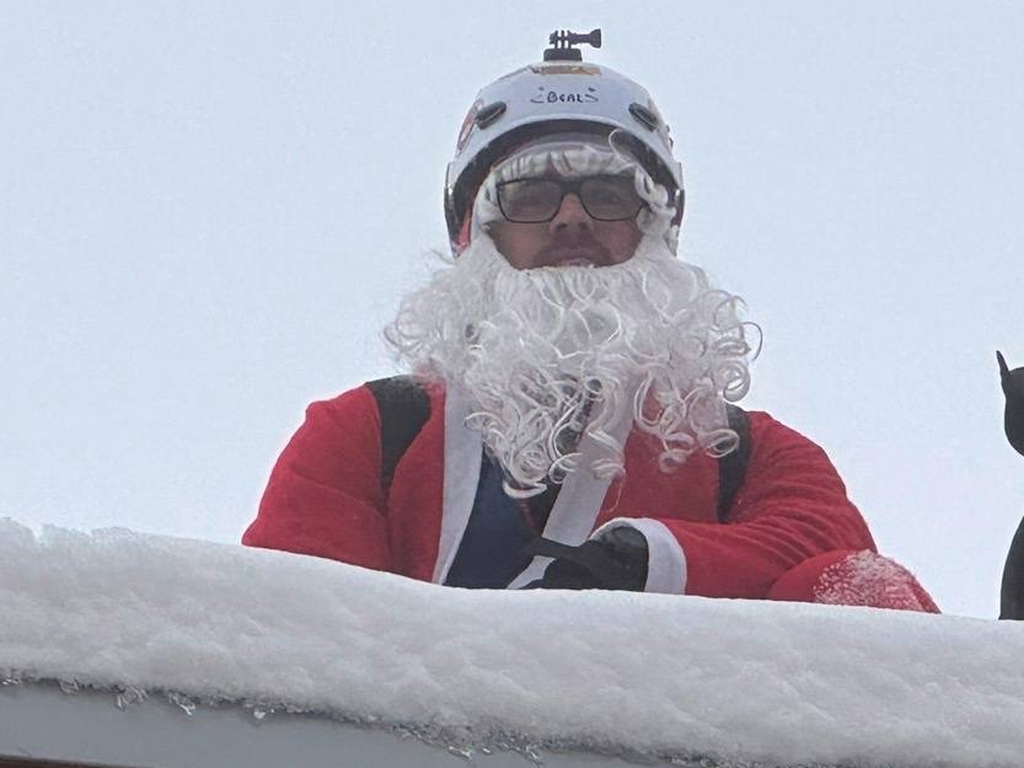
(463, 452)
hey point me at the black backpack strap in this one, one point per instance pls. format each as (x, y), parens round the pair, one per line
(732, 467)
(404, 408)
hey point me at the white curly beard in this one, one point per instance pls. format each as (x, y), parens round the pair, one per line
(553, 353)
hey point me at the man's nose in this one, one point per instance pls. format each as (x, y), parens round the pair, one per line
(571, 215)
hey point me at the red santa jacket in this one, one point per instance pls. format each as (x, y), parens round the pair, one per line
(325, 498)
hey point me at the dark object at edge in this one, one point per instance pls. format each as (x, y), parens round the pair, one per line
(1013, 390)
(1011, 594)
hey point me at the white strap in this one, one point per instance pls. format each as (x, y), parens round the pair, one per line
(463, 450)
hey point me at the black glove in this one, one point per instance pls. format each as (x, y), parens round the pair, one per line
(617, 560)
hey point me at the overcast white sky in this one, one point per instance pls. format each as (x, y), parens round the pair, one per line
(208, 210)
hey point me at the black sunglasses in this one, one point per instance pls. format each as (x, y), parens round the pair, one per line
(604, 198)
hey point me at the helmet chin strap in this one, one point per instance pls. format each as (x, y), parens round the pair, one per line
(464, 234)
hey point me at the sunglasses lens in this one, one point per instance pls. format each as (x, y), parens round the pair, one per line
(529, 200)
(610, 198)
(605, 198)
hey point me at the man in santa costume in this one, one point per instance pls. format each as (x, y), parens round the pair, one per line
(570, 421)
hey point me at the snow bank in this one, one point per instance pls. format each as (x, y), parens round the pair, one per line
(740, 680)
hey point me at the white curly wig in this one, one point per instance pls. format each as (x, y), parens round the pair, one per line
(552, 353)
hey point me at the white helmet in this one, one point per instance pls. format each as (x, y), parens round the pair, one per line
(559, 94)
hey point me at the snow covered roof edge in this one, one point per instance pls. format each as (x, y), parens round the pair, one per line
(743, 680)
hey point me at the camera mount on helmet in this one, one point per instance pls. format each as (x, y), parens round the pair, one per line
(562, 42)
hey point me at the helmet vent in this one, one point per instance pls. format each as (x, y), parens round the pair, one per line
(486, 116)
(645, 116)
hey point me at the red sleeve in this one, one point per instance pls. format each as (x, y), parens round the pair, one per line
(792, 506)
(324, 496)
